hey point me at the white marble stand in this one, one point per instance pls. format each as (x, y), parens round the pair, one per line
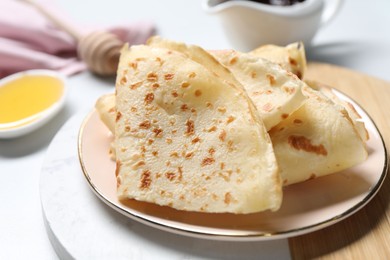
(80, 226)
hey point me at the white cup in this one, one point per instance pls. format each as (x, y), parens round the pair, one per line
(249, 24)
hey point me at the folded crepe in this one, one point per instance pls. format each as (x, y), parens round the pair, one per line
(352, 113)
(105, 105)
(318, 139)
(186, 138)
(275, 92)
(200, 56)
(321, 105)
(322, 136)
(291, 57)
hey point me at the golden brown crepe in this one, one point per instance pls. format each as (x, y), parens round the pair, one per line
(186, 138)
(200, 56)
(316, 140)
(352, 113)
(106, 107)
(189, 132)
(275, 92)
(291, 57)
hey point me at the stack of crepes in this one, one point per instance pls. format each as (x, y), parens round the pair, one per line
(223, 131)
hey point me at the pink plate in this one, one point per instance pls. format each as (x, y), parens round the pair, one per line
(306, 207)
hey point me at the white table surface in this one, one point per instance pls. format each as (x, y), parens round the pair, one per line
(358, 38)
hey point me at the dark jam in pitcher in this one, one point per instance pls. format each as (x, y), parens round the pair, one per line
(278, 2)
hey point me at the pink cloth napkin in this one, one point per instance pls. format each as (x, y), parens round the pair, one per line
(28, 40)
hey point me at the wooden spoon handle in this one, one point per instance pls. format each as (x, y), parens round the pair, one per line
(99, 50)
(55, 19)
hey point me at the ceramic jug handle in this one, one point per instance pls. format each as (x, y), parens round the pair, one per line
(332, 7)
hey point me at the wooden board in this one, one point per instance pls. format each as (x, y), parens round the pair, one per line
(366, 234)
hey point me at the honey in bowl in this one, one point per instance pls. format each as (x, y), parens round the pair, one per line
(29, 97)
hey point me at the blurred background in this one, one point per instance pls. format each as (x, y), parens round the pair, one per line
(358, 37)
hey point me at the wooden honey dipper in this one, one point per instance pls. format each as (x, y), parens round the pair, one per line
(100, 50)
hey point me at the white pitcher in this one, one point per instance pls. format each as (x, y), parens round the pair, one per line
(249, 24)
